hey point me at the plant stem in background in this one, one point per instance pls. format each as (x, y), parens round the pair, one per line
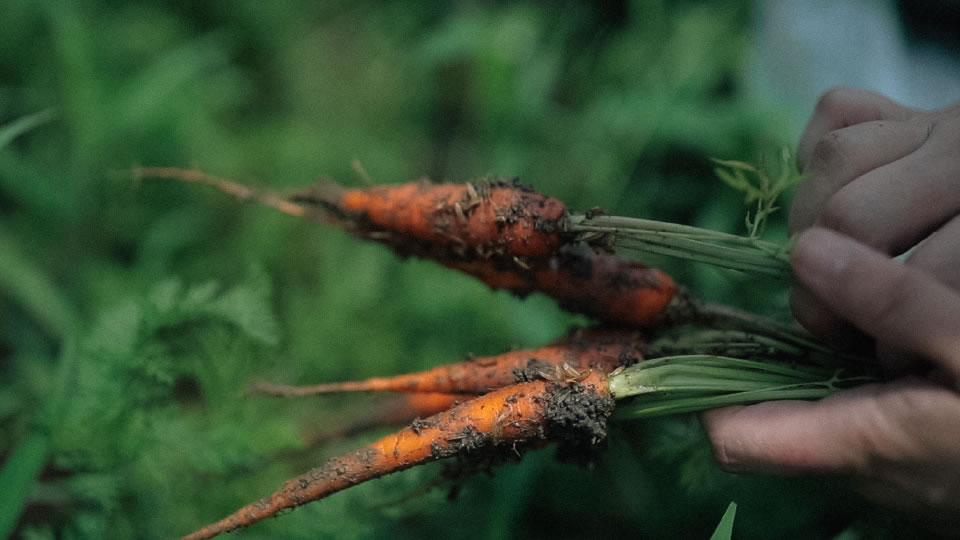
(19, 473)
(12, 130)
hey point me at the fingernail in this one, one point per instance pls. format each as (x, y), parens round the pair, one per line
(819, 257)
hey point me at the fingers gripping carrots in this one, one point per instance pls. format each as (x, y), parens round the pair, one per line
(575, 410)
(598, 349)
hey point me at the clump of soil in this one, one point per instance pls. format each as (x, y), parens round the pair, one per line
(577, 422)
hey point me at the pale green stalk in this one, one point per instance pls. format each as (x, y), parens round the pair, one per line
(690, 383)
(683, 241)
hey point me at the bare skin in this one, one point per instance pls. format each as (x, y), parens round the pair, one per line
(882, 179)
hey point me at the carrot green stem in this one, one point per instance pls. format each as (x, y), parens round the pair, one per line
(730, 318)
(648, 409)
(678, 384)
(683, 241)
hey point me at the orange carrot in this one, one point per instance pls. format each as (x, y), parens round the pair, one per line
(606, 286)
(494, 218)
(499, 231)
(598, 349)
(533, 411)
(600, 285)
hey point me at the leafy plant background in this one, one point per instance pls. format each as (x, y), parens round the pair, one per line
(132, 315)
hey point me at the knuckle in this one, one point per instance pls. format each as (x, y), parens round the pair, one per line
(903, 413)
(722, 455)
(834, 102)
(720, 444)
(874, 438)
(844, 213)
(830, 150)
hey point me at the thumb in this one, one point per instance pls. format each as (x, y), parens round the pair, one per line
(900, 305)
(857, 431)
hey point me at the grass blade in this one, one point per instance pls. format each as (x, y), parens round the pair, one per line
(18, 475)
(13, 129)
(724, 530)
(25, 281)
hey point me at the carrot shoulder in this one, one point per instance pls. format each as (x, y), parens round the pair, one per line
(537, 410)
(598, 349)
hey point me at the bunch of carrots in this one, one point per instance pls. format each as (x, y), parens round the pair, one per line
(511, 237)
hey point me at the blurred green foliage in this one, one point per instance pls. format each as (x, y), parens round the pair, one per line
(133, 315)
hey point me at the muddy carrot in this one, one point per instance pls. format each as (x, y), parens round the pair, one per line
(493, 218)
(499, 217)
(606, 287)
(499, 231)
(598, 349)
(533, 411)
(601, 285)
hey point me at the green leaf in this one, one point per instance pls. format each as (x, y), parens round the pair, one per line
(759, 186)
(117, 330)
(18, 475)
(247, 306)
(12, 130)
(25, 281)
(724, 530)
(734, 164)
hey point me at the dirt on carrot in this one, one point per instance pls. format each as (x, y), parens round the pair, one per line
(494, 218)
(564, 411)
(597, 284)
(500, 231)
(600, 349)
(606, 286)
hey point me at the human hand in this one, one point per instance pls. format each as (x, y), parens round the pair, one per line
(897, 442)
(886, 177)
